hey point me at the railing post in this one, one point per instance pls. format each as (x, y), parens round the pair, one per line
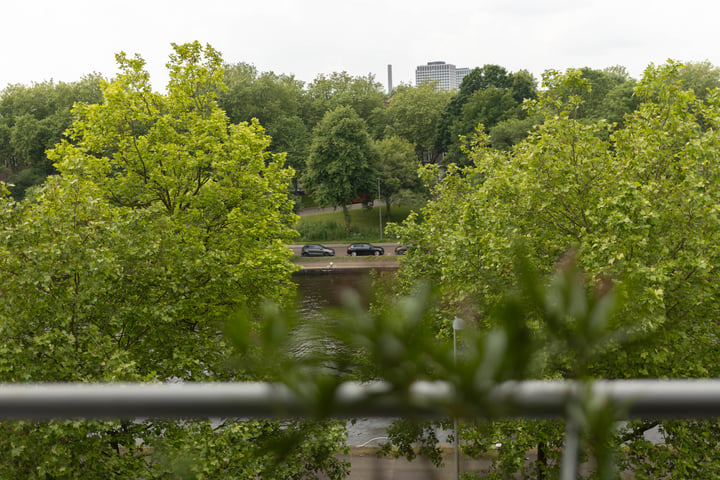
(571, 450)
(458, 324)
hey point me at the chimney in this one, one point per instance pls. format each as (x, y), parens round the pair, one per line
(390, 85)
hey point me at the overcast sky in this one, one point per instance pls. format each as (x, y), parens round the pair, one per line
(64, 40)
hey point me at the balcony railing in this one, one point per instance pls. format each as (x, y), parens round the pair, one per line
(528, 399)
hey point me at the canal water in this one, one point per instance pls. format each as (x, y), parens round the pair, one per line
(318, 290)
(322, 290)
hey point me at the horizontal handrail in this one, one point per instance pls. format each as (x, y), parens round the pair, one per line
(531, 399)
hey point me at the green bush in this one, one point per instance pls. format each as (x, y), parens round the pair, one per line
(326, 227)
(324, 231)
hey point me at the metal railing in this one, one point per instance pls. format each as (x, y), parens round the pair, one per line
(527, 399)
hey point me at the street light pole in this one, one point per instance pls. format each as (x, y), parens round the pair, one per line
(380, 209)
(458, 324)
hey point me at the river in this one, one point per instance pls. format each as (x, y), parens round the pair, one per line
(318, 291)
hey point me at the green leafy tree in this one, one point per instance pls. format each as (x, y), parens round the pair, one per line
(291, 136)
(32, 120)
(700, 77)
(276, 102)
(397, 169)
(363, 94)
(413, 113)
(607, 94)
(342, 165)
(165, 221)
(487, 96)
(637, 208)
(263, 95)
(507, 133)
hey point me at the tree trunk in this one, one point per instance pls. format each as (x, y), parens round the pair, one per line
(541, 461)
(346, 214)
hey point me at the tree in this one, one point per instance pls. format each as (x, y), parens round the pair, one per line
(164, 221)
(487, 108)
(262, 95)
(32, 120)
(507, 133)
(362, 94)
(637, 210)
(700, 77)
(342, 164)
(607, 94)
(276, 102)
(487, 96)
(291, 136)
(413, 114)
(397, 168)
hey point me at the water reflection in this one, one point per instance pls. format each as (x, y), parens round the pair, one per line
(324, 290)
(319, 291)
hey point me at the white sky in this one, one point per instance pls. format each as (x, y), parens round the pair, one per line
(64, 40)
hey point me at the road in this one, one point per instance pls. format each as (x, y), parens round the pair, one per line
(341, 249)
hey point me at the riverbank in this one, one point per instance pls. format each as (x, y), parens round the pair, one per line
(340, 264)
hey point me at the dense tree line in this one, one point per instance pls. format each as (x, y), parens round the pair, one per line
(32, 120)
(438, 125)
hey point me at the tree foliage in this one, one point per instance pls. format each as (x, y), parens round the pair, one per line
(413, 113)
(363, 94)
(276, 102)
(607, 94)
(164, 221)
(637, 208)
(397, 169)
(32, 120)
(342, 164)
(487, 97)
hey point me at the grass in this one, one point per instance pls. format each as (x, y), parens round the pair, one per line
(364, 225)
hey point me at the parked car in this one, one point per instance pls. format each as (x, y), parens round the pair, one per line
(356, 249)
(401, 249)
(317, 250)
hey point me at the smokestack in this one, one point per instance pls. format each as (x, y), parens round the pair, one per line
(390, 85)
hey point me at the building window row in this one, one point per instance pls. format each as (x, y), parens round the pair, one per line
(447, 76)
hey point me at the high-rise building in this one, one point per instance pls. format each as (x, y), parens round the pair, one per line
(447, 76)
(460, 74)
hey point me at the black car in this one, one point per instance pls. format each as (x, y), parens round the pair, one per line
(364, 249)
(401, 249)
(317, 250)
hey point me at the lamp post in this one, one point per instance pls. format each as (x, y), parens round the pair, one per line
(458, 324)
(380, 209)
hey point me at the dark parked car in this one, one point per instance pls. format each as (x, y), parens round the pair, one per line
(364, 249)
(317, 250)
(401, 249)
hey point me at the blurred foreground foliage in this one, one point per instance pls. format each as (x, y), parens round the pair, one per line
(540, 327)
